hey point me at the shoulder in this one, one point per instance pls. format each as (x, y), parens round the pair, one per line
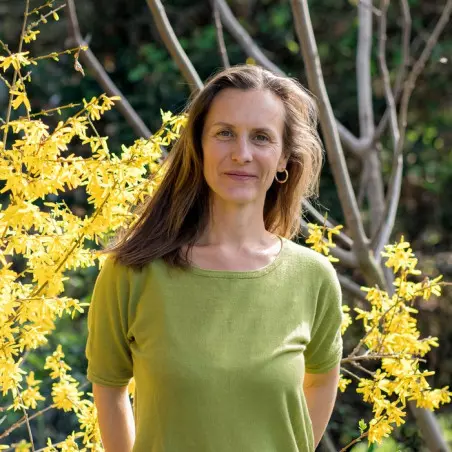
(113, 272)
(307, 260)
(110, 266)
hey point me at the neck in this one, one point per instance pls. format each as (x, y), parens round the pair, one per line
(236, 226)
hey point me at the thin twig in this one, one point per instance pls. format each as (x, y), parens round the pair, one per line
(321, 219)
(344, 369)
(16, 73)
(383, 231)
(102, 77)
(356, 440)
(366, 357)
(393, 192)
(403, 67)
(22, 421)
(362, 369)
(27, 421)
(44, 17)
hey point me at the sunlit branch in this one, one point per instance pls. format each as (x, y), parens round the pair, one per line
(173, 46)
(102, 77)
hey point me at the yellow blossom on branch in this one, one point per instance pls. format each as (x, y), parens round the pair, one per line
(16, 60)
(317, 239)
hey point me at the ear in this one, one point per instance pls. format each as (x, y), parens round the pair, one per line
(282, 162)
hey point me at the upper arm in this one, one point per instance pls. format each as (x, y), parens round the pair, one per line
(324, 349)
(107, 347)
(101, 390)
(322, 379)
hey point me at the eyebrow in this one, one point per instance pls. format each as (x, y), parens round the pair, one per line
(262, 129)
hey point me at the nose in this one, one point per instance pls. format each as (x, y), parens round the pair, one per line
(241, 152)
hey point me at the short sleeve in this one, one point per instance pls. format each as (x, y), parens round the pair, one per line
(324, 350)
(107, 347)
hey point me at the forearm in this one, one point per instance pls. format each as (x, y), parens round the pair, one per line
(116, 422)
(320, 393)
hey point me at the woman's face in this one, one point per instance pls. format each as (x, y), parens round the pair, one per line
(242, 143)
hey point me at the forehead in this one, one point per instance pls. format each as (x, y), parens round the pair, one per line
(247, 108)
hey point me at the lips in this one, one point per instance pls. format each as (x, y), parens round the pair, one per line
(239, 174)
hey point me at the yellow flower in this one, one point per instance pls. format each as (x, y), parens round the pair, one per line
(16, 60)
(428, 287)
(343, 383)
(31, 36)
(379, 429)
(346, 318)
(31, 396)
(22, 446)
(65, 394)
(400, 256)
(166, 116)
(19, 99)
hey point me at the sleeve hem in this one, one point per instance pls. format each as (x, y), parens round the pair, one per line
(327, 366)
(107, 382)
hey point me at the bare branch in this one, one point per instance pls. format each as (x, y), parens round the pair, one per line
(102, 77)
(400, 77)
(244, 39)
(368, 4)
(23, 420)
(364, 80)
(346, 194)
(173, 46)
(27, 420)
(343, 369)
(219, 31)
(384, 4)
(406, 38)
(358, 146)
(234, 27)
(419, 66)
(351, 287)
(393, 194)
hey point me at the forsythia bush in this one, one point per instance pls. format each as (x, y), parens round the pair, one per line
(392, 339)
(35, 171)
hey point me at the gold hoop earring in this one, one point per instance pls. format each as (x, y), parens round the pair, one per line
(282, 181)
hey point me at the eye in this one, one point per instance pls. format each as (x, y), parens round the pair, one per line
(222, 132)
(265, 137)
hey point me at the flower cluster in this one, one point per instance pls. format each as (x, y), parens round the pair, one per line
(53, 239)
(318, 241)
(392, 338)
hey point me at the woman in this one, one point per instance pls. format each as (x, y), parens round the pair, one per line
(230, 329)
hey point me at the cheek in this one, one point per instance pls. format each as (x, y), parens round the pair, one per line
(211, 162)
(213, 154)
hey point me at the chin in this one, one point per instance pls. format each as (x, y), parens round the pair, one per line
(238, 196)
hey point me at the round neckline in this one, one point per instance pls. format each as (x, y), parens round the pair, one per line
(245, 273)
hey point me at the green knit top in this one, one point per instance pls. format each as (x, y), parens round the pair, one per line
(218, 357)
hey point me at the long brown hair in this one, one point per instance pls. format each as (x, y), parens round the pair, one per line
(178, 212)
